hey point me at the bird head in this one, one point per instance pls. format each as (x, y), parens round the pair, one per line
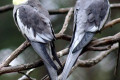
(18, 2)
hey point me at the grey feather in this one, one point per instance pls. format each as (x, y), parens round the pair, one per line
(54, 54)
(85, 40)
(89, 17)
(33, 21)
(40, 48)
(37, 21)
(97, 11)
(52, 72)
(71, 59)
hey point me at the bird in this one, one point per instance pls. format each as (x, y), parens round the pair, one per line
(33, 21)
(89, 17)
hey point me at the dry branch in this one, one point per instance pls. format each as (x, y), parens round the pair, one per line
(63, 36)
(60, 54)
(6, 8)
(66, 22)
(59, 11)
(111, 23)
(35, 64)
(52, 12)
(14, 54)
(24, 46)
(94, 61)
(19, 50)
(99, 44)
(81, 63)
(103, 41)
(26, 43)
(26, 75)
(106, 40)
(115, 5)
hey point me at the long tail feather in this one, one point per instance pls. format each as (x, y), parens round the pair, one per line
(74, 53)
(52, 72)
(69, 64)
(55, 55)
(40, 48)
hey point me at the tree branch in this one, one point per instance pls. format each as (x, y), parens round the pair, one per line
(59, 11)
(6, 8)
(111, 23)
(10, 69)
(67, 20)
(93, 61)
(81, 63)
(106, 40)
(26, 75)
(115, 5)
(15, 53)
(52, 12)
(99, 44)
(27, 44)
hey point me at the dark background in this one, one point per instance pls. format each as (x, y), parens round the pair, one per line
(11, 38)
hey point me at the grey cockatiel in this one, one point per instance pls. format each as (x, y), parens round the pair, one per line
(89, 17)
(33, 21)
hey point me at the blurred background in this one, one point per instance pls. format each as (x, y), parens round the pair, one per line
(11, 38)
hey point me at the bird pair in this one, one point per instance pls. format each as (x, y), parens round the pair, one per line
(34, 23)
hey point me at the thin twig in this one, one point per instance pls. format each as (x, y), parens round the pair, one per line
(82, 63)
(115, 5)
(66, 22)
(35, 64)
(106, 40)
(19, 50)
(97, 59)
(103, 41)
(59, 11)
(26, 75)
(94, 61)
(14, 54)
(88, 63)
(103, 48)
(6, 8)
(111, 23)
(52, 12)
(62, 52)
(63, 37)
(10, 69)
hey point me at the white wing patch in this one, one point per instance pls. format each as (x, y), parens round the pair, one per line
(93, 29)
(29, 31)
(79, 33)
(77, 39)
